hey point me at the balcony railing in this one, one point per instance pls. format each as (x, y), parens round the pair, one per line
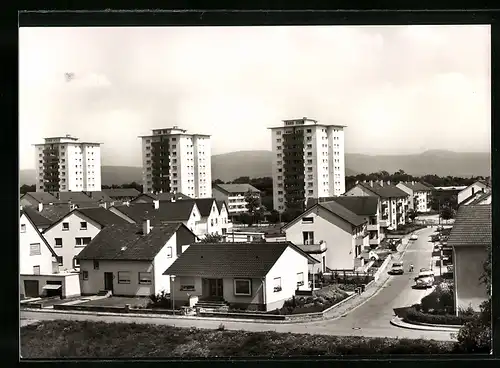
(384, 223)
(313, 248)
(374, 241)
(372, 227)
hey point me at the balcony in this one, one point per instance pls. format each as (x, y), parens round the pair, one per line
(374, 241)
(384, 223)
(313, 248)
(360, 239)
(372, 227)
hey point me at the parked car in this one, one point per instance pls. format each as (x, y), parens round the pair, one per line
(371, 255)
(414, 237)
(437, 248)
(424, 280)
(397, 269)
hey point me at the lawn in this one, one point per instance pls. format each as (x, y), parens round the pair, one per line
(84, 339)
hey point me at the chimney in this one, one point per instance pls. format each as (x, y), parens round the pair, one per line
(381, 183)
(371, 183)
(156, 203)
(57, 195)
(146, 226)
(40, 207)
(91, 195)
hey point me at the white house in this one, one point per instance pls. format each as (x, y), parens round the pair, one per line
(39, 266)
(234, 196)
(75, 231)
(393, 203)
(472, 190)
(258, 276)
(159, 212)
(129, 260)
(479, 199)
(331, 233)
(419, 195)
(225, 223)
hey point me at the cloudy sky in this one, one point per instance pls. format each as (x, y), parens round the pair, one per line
(402, 89)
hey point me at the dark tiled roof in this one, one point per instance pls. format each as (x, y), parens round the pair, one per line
(479, 199)
(312, 201)
(343, 213)
(55, 212)
(219, 205)
(43, 197)
(204, 205)
(472, 227)
(36, 218)
(121, 192)
(99, 196)
(237, 188)
(73, 197)
(86, 204)
(417, 186)
(167, 211)
(110, 241)
(102, 216)
(227, 260)
(360, 205)
(386, 190)
(162, 196)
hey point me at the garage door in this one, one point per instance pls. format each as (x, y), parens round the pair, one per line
(31, 288)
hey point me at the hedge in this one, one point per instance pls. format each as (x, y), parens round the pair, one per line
(439, 319)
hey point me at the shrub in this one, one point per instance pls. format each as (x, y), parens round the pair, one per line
(441, 299)
(161, 300)
(321, 300)
(475, 335)
(439, 319)
(221, 327)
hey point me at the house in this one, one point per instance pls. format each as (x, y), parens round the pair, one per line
(45, 215)
(160, 212)
(480, 199)
(471, 240)
(73, 232)
(150, 197)
(101, 197)
(419, 195)
(33, 199)
(333, 234)
(79, 199)
(39, 265)
(237, 236)
(393, 202)
(40, 222)
(130, 259)
(122, 195)
(234, 196)
(210, 222)
(258, 276)
(225, 222)
(470, 191)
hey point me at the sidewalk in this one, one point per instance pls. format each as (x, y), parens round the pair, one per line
(398, 322)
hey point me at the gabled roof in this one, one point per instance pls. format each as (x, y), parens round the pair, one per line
(249, 260)
(480, 198)
(42, 197)
(472, 227)
(236, 188)
(162, 196)
(204, 205)
(55, 212)
(99, 196)
(167, 211)
(74, 197)
(36, 218)
(311, 201)
(359, 205)
(385, 191)
(102, 216)
(416, 186)
(121, 192)
(334, 208)
(482, 182)
(23, 212)
(220, 204)
(127, 242)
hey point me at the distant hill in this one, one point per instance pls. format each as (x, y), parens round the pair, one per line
(254, 164)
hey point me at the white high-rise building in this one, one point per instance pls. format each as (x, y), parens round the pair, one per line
(176, 161)
(308, 161)
(64, 164)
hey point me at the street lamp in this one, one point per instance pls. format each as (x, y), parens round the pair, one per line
(172, 289)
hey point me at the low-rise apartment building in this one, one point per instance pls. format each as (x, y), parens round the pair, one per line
(234, 196)
(419, 195)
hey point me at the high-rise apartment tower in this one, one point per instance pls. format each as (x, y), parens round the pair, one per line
(65, 164)
(308, 161)
(175, 161)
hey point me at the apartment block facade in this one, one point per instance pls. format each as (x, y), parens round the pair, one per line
(175, 161)
(65, 164)
(309, 161)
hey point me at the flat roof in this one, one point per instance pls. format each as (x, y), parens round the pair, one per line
(52, 143)
(317, 124)
(164, 134)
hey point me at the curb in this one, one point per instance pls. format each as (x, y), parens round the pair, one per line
(398, 322)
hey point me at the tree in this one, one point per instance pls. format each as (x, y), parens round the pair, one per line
(242, 180)
(274, 217)
(212, 238)
(447, 213)
(412, 214)
(27, 188)
(253, 206)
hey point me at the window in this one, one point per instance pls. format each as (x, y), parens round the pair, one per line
(85, 275)
(242, 287)
(300, 279)
(277, 284)
(145, 278)
(307, 220)
(309, 130)
(76, 263)
(187, 284)
(123, 277)
(308, 237)
(83, 225)
(35, 249)
(23, 228)
(169, 252)
(59, 260)
(96, 265)
(36, 270)
(81, 242)
(65, 226)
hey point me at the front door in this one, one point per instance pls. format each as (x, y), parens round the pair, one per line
(31, 288)
(215, 288)
(108, 281)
